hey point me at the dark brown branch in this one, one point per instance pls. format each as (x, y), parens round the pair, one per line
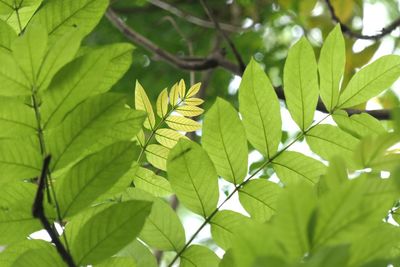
(213, 61)
(238, 57)
(38, 212)
(348, 31)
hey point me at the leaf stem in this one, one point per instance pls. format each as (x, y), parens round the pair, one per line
(237, 187)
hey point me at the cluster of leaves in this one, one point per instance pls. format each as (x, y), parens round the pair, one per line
(111, 206)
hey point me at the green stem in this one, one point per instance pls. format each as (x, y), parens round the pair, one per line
(208, 219)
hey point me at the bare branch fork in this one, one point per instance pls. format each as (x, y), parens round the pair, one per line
(210, 62)
(347, 30)
(38, 212)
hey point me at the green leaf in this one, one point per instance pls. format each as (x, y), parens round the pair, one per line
(118, 261)
(352, 210)
(301, 83)
(259, 107)
(224, 139)
(18, 160)
(12, 80)
(12, 252)
(88, 75)
(370, 81)
(198, 256)
(163, 229)
(16, 118)
(329, 141)
(168, 137)
(259, 198)
(193, 177)
(141, 253)
(152, 183)
(29, 51)
(336, 174)
(7, 36)
(291, 221)
(189, 111)
(46, 256)
(103, 234)
(18, 13)
(65, 14)
(224, 225)
(83, 127)
(331, 67)
(16, 220)
(93, 176)
(291, 167)
(157, 156)
(372, 152)
(61, 52)
(358, 125)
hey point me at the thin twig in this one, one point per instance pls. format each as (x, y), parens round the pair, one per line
(347, 30)
(238, 57)
(38, 212)
(188, 17)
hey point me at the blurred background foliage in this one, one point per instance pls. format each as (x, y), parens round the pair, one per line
(263, 29)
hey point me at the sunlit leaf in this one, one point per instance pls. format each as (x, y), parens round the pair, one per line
(182, 124)
(189, 111)
(142, 102)
(193, 90)
(157, 156)
(168, 137)
(196, 256)
(152, 183)
(162, 103)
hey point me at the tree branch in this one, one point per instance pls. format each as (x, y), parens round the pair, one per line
(38, 212)
(224, 35)
(347, 30)
(213, 61)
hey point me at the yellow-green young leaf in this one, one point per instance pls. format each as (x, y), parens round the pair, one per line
(101, 232)
(65, 14)
(7, 36)
(162, 103)
(259, 107)
(370, 81)
(163, 230)
(152, 183)
(174, 95)
(292, 167)
(224, 225)
(141, 138)
(168, 137)
(193, 90)
(182, 89)
(259, 198)
(157, 156)
(18, 13)
(189, 111)
(29, 51)
(331, 67)
(142, 102)
(16, 220)
(182, 124)
(193, 177)
(193, 101)
(93, 176)
(329, 141)
(358, 125)
(224, 139)
(301, 83)
(198, 256)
